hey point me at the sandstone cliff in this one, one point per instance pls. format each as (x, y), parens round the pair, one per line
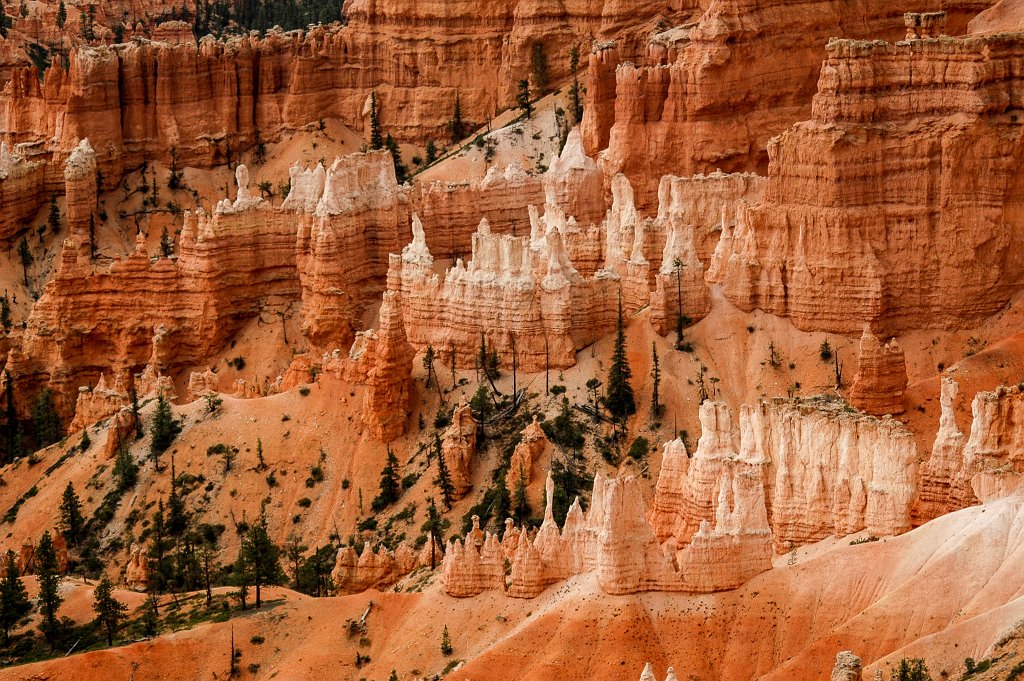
(851, 229)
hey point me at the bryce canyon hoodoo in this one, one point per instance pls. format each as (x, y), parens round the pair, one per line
(518, 341)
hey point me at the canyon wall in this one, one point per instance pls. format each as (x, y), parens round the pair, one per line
(711, 94)
(900, 202)
(243, 260)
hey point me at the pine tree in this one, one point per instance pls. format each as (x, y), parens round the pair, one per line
(46, 419)
(294, 550)
(150, 619)
(177, 519)
(443, 480)
(166, 244)
(390, 484)
(72, 522)
(618, 392)
(50, 599)
(456, 126)
(656, 406)
(433, 526)
(401, 171)
(110, 612)
(523, 98)
(912, 670)
(5, 313)
(62, 14)
(261, 557)
(446, 642)
(428, 365)
(431, 152)
(26, 258)
(14, 602)
(3, 21)
(575, 90)
(54, 218)
(376, 138)
(394, 676)
(160, 566)
(164, 429)
(125, 469)
(520, 503)
(92, 236)
(85, 442)
(539, 67)
(133, 395)
(261, 465)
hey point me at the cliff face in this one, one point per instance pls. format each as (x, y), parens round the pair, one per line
(140, 99)
(230, 264)
(519, 295)
(899, 202)
(676, 109)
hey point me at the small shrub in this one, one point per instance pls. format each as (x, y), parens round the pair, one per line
(639, 449)
(557, 390)
(304, 502)
(304, 390)
(238, 363)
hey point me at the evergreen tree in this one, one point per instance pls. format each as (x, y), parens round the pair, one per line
(443, 480)
(72, 522)
(14, 602)
(110, 612)
(150, 619)
(539, 67)
(164, 428)
(431, 152)
(618, 392)
(261, 465)
(133, 395)
(85, 442)
(125, 469)
(62, 15)
(46, 419)
(520, 504)
(401, 171)
(3, 21)
(261, 557)
(294, 550)
(26, 258)
(24, 9)
(428, 364)
(390, 484)
(5, 313)
(911, 670)
(54, 218)
(166, 244)
(456, 126)
(446, 642)
(177, 519)
(92, 236)
(394, 676)
(50, 599)
(161, 568)
(434, 526)
(376, 138)
(12, 427)
(575, 90)
(656, 405)
(523, 98)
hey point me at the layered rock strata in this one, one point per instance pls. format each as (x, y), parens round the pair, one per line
(517, 295)
(899, 203)
(673, 110)
(881, 377)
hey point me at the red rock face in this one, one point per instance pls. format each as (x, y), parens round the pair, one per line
(881, 377)
(711, 95)
(900, 202)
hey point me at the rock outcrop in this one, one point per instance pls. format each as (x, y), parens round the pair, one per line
(673, 109)
(946, 459)
(389, 358)
(852, 229)
(881, 377)
(528, 451)
(847, 667)
(458, 447)
(246, 258)
(373, 568)
(80, 190)
(517, 295)
(993, 456)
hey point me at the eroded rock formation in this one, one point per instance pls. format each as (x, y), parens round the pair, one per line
(881, 377)
(852, 229)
